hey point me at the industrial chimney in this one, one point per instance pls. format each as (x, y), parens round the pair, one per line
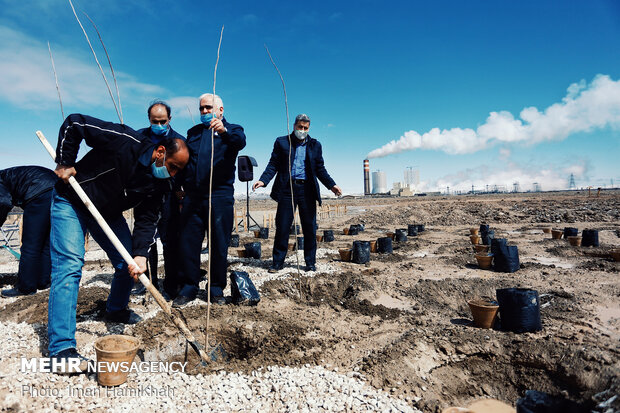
(366, 177)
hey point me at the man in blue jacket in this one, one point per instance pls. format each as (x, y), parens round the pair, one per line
(29, 187)
(121, 171)
(302, 155)
(228, 140)
(159, 114)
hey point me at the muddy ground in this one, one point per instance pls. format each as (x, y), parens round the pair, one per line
(402, 320)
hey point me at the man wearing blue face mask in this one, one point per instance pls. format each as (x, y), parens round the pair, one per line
(297, 164)
(228, 140)
(121, 171)
(159, 114)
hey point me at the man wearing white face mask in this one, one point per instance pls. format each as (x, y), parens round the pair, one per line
(307, 168)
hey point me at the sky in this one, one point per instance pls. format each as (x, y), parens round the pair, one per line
(467, 92)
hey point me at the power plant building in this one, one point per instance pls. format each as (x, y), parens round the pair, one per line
(412, 177)
(366, 177)
(379, 183)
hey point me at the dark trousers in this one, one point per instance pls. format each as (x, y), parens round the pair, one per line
(168, 231)
(194, 221)
(35, 264)
(284, 219)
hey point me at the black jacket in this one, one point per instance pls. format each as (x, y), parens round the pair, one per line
(279, 164)
(115, 174)
(20, 184)
(227, 147)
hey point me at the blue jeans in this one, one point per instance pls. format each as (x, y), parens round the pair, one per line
(68, 229)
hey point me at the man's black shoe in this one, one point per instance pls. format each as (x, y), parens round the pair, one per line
(67, 358)
(310, 268)
(274, 268)
(181, 300)
(125, 316)
(219, 300)
(139, 289)
(14, 292)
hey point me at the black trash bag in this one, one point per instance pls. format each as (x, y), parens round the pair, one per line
(400, 235)
(589, 238)
(486, 237)
(384, 245)
(539, 402)
(571, 232)
(242, 289)
(361, 252)
(328, 235)
(361, 227)
(354, 230)
(519, 309)
(300, 243)
(505, 257)
(484, 228)
(263, 233)
(234, 240)
(412, 230)
(252, 250)
(420, 228)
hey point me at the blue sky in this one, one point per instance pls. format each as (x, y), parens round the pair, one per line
(367, 73)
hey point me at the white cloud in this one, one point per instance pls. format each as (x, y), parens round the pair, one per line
(27, 79)
(548, 177)
(504, 154)
(583, 109)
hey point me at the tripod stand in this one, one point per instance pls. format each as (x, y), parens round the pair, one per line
(248, 217)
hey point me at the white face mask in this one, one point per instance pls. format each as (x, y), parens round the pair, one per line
(300, 134)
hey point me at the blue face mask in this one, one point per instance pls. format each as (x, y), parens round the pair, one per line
(159, 129)
(206, 119)
(160, 172)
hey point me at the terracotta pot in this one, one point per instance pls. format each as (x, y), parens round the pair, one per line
(473, 231)
(256, 234)
(241, 253)
(111, 350)
(546, 230)
(575, 241)
(345, 231)
(319, 238)
(556, 233)
(481, 248)
(373, 246)
(345, 254)
(391, 235)
(615, 254)
(475, 239)
(484, 260)
(483, 311)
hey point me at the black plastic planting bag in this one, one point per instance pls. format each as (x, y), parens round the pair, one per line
(361, 252)
(292, 231)
(384, 245)
(300, 243)
(252, 250)
(234, 240)
(484, 228)
(420, 227)
(539, 402)
(519, 309)
(412, 230)
(570, 232)
(354, 230)
(263, 233)
(589, 238)
(328, 235)
(242, 289)
(401, 235)
(505, 257)
(487, 236)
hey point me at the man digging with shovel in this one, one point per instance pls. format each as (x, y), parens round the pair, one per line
(119, 172)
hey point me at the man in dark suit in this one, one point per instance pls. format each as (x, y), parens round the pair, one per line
(297, 160)
(159, 114)
(228, 140)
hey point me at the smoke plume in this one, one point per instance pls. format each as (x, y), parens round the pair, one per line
(584, 108)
